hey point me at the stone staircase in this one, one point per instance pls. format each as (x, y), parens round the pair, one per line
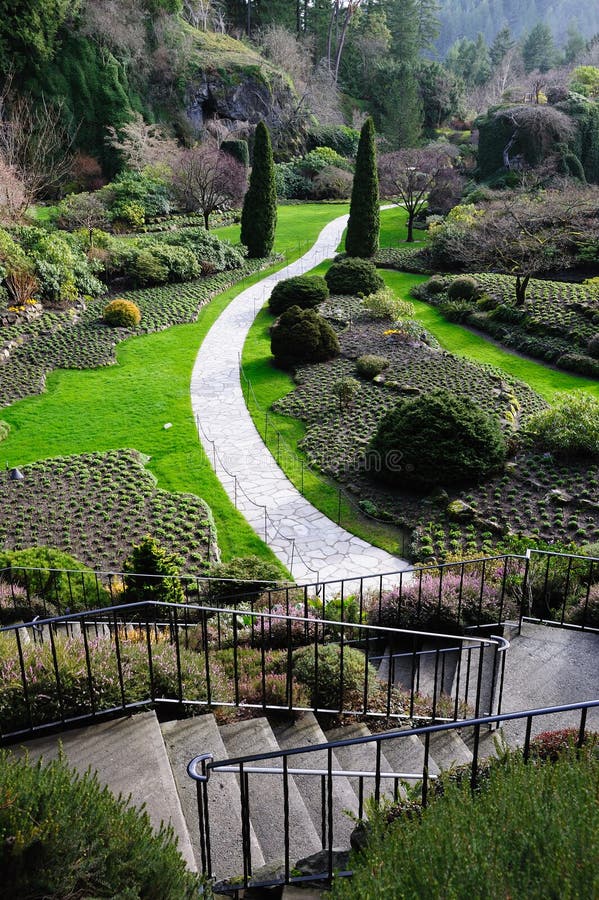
(146, 759)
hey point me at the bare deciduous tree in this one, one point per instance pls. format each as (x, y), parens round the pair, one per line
(141, 144)
(12, 193)
(34, 144)
(207, 180)
(408, 176)
(84, 210)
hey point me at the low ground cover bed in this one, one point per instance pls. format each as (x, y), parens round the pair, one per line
(97, 506)
(80, 340)
(557, 323)
(536, 495)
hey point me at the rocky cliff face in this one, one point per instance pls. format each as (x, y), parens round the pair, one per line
(239, 97)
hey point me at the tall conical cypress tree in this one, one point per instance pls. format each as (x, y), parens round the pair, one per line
(259, 214)
(362, 237)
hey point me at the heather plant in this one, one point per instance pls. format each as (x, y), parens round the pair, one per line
(63, 835)
(383, 304)
(569, 428)
(447, 603)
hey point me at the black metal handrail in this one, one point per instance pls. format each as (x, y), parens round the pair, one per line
(132, 640)
(201, 767)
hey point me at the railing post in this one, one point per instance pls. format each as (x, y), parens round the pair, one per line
(525, 589)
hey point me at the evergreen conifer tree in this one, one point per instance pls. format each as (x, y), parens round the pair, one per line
(259, 214)
(364, 220)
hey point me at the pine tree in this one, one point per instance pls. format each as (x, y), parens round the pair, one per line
(259, 214)
(363, 227)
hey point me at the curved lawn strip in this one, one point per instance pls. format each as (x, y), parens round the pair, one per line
(127, 405)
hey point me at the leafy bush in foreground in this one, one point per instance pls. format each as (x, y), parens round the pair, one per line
(323, 678)
(63, 835)
(544, 816)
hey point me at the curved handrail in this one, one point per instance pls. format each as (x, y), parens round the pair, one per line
(403, 733)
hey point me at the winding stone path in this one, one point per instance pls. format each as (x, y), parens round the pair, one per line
(311, 546)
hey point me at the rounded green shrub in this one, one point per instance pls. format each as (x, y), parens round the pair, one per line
(243, 577)
(301, 335)
(121, 314)
(305, 291)
(64, 835)
(54, 581)
(353, 276)
(437, 284)
(152, 574)
(146, 268)
(370, 365)
(323, 677)
(437, 438)
(464, 287)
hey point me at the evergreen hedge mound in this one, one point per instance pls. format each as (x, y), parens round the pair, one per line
(438, 438)
(121, 313)
(353, 276)
(301, 335)
(305, 291)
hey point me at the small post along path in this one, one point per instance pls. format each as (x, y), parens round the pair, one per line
(309, 544)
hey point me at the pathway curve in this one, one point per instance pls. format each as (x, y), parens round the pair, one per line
(311, 546)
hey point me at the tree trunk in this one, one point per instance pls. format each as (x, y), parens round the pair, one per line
(521, 285)
(410, 227)
(206, 220)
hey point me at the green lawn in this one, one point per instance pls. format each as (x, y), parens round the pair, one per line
(128, 404)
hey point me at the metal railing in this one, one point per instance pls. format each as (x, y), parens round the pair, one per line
(278, 766)
(541, 586)
(82, 666)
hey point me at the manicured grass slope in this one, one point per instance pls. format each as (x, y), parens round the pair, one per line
(127, 405)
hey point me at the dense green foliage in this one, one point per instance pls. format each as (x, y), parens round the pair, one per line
(362, 238)
(53, 579)
(301, 335)
(438, 438)
(238, 149)
(569, 428)
(259, 214)
(543, 814)
(304, 291)
(63, 835)
(322, 675)
(152, 574)
(353, 276)
(242, 577)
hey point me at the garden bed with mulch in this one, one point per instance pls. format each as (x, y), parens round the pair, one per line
(535, 496)
(97, 506)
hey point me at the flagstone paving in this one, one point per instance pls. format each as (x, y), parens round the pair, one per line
(309, 544)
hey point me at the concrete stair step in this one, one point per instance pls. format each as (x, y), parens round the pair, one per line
(266, 800)
(487, 742)
(468, 678)
(185, 739)
(406, 755)
(306, 732)
(449, 750)
(361, 758)
(130, 758)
